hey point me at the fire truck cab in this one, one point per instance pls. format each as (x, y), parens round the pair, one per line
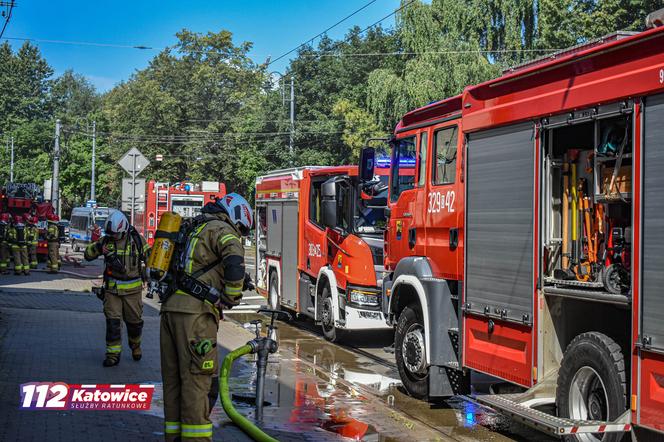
(319, 245)
(184, 198)
(528, 244)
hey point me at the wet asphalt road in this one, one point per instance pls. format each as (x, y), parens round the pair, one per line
(362, 361)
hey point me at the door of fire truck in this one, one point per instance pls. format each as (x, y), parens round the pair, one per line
(651, 332)
(444, 203)
(404, 214)
(315, 239)
(499, 252)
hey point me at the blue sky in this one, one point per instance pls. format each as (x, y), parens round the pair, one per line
(274, 26)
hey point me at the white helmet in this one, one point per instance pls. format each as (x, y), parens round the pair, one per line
(116, 225)
(238, 210)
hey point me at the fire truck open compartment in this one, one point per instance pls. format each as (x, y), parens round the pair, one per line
(587, 205)
(586, 218)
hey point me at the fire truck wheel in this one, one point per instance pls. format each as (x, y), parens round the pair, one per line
(591, 383)
(410, 352)
(273, 292)
(327, 317)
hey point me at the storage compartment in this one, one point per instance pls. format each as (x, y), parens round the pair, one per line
(587, 207)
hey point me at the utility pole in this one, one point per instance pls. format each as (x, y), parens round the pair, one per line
(94, 146)
(55, 184)
(292, 117)
(11, 163)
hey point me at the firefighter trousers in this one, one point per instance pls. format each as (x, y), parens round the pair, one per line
(32, 252)
(4, 256)
(21, 263)
(118, 308)
(188, 344)
(53, 256)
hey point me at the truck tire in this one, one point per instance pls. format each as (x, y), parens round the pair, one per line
(273, 292)
(330, 331)
(410, 352)
(592, 383)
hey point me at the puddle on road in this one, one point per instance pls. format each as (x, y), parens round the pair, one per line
(458, 417)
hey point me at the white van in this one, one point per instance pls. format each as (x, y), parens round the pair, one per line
(82, 223)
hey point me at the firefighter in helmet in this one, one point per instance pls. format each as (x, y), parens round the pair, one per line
(213, 258)
(31, 238)
(53, 240)
(124, 251)
(19, 246)
(5, 221)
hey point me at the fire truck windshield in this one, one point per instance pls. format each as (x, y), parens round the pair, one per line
(370, 213)
(403, 166)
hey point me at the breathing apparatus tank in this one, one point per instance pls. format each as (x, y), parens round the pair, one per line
(164, 246)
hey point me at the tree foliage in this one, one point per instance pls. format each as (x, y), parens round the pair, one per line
(214, 114)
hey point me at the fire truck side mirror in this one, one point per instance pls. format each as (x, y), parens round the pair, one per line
(329, 204)
(366, 166)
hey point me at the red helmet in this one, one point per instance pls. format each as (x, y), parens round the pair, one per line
(4, 217)
(27, 218)
(18, 219)
(53, 217)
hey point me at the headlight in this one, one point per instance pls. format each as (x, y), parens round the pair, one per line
(364, 298)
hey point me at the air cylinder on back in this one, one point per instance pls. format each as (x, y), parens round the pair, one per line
(164, 245)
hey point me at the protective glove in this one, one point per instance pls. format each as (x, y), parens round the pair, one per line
(248, 283)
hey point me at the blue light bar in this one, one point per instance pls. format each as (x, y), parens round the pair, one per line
(384, 162)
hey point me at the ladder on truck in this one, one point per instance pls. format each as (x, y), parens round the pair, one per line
(527, 408)
(163, 199)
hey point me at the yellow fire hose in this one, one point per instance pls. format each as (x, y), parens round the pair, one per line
(245, 424)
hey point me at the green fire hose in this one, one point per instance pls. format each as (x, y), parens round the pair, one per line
(245, 424)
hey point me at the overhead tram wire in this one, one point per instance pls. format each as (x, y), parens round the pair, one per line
(321, 33)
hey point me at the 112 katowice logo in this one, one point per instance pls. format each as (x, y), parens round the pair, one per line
(61, 396)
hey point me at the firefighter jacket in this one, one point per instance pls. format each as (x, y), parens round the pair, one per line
(16, 235)
(214, 240)
(123, 272)
(52, 234)
(31, 235)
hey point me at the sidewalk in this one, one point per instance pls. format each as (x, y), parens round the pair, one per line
(46, 336)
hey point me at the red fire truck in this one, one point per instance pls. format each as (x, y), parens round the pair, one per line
(319, 245)
(528, 244)
(184, 198)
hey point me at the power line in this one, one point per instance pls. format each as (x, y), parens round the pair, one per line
(321, 33)
(79, 43)
(10, 8)
(447, 52)
(402, 7)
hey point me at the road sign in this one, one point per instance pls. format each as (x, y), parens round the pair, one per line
(91, 203)
(159, 157)
(135, 193)
(133, 162)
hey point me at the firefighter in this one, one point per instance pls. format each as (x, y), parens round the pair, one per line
(19, 246)
(212, 263)
(53, 239)
(124, 251)
(31, 238)
(4, 244)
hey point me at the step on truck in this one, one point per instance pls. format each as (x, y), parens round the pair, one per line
(528, 243)
(319, 245)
